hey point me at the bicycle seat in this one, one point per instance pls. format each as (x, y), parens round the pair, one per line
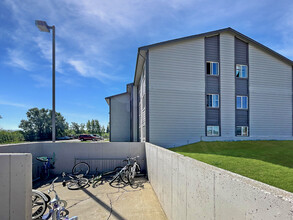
(79, 176)
(42, 159)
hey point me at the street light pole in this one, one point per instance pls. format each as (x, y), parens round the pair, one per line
(42, 25)
(53, 86)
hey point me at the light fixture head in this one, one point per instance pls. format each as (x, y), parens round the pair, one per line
(42, 25)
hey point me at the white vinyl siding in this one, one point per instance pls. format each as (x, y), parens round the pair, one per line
(270, 99)
(227, 85)
(177, 93)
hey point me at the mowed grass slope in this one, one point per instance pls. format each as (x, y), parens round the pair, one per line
(270, 162)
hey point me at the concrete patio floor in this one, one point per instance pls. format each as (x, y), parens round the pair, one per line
(106, 202)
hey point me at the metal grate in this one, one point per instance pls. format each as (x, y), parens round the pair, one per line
(104, 164)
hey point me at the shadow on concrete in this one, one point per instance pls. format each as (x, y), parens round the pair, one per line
(104, 205)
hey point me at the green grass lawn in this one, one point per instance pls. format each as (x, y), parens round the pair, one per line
(270, 162)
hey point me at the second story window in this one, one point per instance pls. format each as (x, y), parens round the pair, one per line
(242, 102)
(241, 71)
(213, 68)
(213, 100)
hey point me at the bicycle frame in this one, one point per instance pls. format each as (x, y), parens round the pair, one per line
(58, 206)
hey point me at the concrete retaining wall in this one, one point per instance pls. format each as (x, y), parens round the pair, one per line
(15, 186)
(101, 155)
(190, 189)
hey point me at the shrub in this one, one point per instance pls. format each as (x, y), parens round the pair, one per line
(10, 136)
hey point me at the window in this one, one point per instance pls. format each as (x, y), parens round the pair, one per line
(213, 101)
(241, 131)
(241, 71)
(242, 102)
(212, 130)
(212, 68)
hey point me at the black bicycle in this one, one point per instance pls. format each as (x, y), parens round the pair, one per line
(99, 178)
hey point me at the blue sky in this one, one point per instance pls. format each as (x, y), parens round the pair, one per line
(97, 41)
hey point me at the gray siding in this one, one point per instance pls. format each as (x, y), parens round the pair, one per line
(270, 84)
(241, 52)
(227, 85)
(242, 118)
(212, 53)
(212, 85)
(241, 87)
(241, 84)
(120, 118)
(213, 116)
(212, 48)
(177, 93)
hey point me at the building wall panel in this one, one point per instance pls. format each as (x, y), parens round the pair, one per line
(227, 85)
(270, 95)
(120, 118)
(177, 93)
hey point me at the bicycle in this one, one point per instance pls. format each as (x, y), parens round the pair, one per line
(39, 203)
(100, 177)
(133, 170)
(48, 163)
(124, 172)
(75, 182)
(58, 211)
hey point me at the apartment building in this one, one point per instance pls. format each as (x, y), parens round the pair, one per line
(220, 85)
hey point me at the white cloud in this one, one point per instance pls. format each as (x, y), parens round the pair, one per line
(87, 71)
(16, 59)
(14, 104)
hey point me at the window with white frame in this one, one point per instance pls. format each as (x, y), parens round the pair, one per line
(213, 68)
(242, 102)
(213, 100)
(213, 131)
(242, 131)
(241, 71)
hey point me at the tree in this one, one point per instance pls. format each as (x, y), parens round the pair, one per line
(89, 127)
(103, 130)
(75, 128)
(108, 128)
(0, 117)
(81, 127)
(38, 125)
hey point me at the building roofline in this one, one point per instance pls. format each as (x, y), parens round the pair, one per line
(229, 29)
(116, 95)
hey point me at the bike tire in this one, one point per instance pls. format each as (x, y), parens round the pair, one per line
(39, 205)
(131, 175)
(77, 184)
(81, 168)
(116, 176)
(73, 185)
(124, 176)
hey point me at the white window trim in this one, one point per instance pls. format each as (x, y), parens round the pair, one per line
(213, 135)
(242, 128)
(211, 68)
(241, 65)
(213, 100)
(241, 96)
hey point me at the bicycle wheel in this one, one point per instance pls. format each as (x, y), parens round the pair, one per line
(82, 182)
(124, 176)
(81, 168)
(73, 185)
(39, 205)
(116, 176)
(131, 175)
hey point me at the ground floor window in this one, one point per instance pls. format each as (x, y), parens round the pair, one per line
(241, 131)
(213, 131)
